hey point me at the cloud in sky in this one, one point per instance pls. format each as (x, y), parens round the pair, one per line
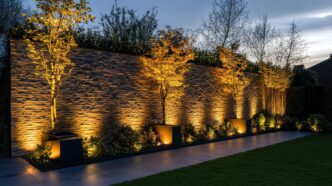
(317, 31)
(314, 17)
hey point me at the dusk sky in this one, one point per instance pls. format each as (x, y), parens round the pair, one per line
(313, 16)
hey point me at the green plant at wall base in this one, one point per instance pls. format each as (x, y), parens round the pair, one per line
(270, 122)
(94, 147)
(124, 140)
(279, 122)
(318, 123)
(226, 130)
(211, 134)
(289, 123)
(41, 155)
(300, 125)
(208, 132)
(315, 123)
(149, 137)
(189, 133)
(259, 121)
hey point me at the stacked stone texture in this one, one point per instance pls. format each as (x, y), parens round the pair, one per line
(106, 90)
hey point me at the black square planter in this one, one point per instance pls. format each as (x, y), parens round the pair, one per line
(243, 125)
(71, 150)
(65, 146)
(169, 134)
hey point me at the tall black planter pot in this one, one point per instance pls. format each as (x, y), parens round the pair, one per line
(65, 146)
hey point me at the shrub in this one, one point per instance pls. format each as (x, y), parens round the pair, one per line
(289, 123)
(265, 121)
(205, 57)
(270, 122)
(208, 132)
(89, 39)
(301, 126)
(149, 137)
(318, 123)
(124, 140)
(226, 130)
(94, 147)
(189, 133)
(259, 121)
(279, 122)
(124, 31)
(41, 155)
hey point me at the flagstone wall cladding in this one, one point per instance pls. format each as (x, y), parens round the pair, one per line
(106, 90)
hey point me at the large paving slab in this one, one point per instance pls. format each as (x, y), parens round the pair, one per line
(16, 171)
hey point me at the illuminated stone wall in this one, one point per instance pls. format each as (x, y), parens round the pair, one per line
(106, 90)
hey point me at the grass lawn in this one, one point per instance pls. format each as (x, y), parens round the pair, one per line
(305, 161)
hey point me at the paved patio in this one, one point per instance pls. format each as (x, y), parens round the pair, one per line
(16, 171)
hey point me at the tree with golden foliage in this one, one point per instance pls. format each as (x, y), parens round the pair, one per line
(276, 77)
(167, 62)
(51, 38)
(232, 75)
(276, 80)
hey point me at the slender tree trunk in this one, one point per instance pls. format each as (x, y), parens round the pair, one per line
(53, 107)
(163, 103)
(163, 95)
(234, 106)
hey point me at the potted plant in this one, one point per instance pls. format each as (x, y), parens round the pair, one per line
(166, 64)
(49, 40)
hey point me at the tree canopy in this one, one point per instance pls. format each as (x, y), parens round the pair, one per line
(167, 62)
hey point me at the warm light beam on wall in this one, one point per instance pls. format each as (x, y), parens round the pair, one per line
(133, 116)
(253, 106)
(196, 115)
(219, 108)
(239, 106)
(88, 123)
(29, 133)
